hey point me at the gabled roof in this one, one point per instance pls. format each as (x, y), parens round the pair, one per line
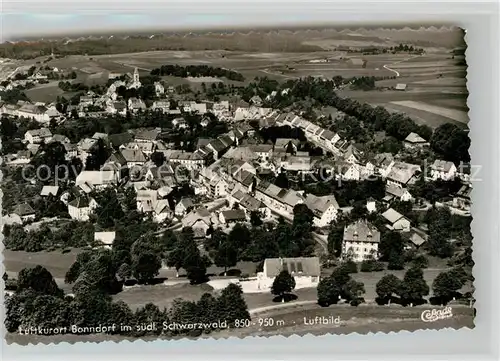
(80, 202)
(234, 215)
(46, 190)
(361, 231)
(305, 266)
(414, 138)
(133, 155)
(42, 132)
(442, 165)
(392, 216)
(23, 209)
(148, 134)
(319, 205)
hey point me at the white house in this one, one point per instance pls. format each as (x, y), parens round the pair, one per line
(396, 221)
(25, 212)
(184, 205)
(38, 113)
(37, 136)
(444, 170)
(325, 209)
(105, 238)
(305, 270)
(360, 241)
(414, 141)
(81, 208)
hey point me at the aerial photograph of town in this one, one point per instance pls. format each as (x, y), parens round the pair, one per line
(249, 182)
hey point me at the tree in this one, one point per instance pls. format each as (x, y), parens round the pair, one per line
(147, 315)
(227, 255)
(328, 292)
(231, 305)
(98, 156)
(447, 284)
(391, 247)
(255, 219)
(413, 288)
(388, 286)
(158, 158)
(145, 260)
(282, 180)
(283, 283)
(109, 209)
(124, 272)
(38, 279)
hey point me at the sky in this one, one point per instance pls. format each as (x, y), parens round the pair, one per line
(97, 17)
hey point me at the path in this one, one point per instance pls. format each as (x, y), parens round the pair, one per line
(281, 305)
(386, 66)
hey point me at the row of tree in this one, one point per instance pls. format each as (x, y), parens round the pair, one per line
(38, 302)
(197, 71)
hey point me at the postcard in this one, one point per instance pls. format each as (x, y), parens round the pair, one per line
(233, 183)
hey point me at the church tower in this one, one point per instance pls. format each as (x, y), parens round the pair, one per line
(136, 76)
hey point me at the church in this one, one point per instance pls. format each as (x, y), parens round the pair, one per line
(135, 83)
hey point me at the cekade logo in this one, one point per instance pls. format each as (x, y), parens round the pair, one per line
(434, 314)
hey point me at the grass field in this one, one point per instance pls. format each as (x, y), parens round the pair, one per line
(453, 114)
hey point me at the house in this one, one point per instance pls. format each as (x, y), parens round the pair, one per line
(278, 199)
(383, 164)
(105, 238)
(347, 171)
(195, 160)
(352, 154)
(296, 164)
(146, 147)
(287, 144)
(162, 211)
(71, 150)
(25, 212)
(85, 147)
(414, 141)
(117, 107)
(117, 140)
(10, 220)
(179, 123)
(161, 106)
(232, 215)
(146, 200)
(371, 205)
(60, 138)
(325, 209)
(248, 203)
(49, 190)
(184, 206)
(360, 241)
(416, 237)
(159, 89)
(329, 138)
(306, 272)
(463, 199)
(402, 174)
(89, 180)
(199, 220)
(133, 157)
(81, 208)
(147, 136)
(444, 170)
(136, 104)
(400, 86)
(218, 147)
(256, 100)
(37, 136)
(395, 192)
(35, 112)
(396, 221)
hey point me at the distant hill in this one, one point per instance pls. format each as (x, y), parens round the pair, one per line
(259, 40)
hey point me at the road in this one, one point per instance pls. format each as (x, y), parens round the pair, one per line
(280, 306)
(386, 66)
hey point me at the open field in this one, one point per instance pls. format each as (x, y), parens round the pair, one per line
(56, 262)
(420, 116)
(453, 114)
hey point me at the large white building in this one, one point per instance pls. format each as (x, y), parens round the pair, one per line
(81, 208)
(361, 240)
(305, 270)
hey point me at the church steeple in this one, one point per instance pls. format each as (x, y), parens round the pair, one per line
(136, 76)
